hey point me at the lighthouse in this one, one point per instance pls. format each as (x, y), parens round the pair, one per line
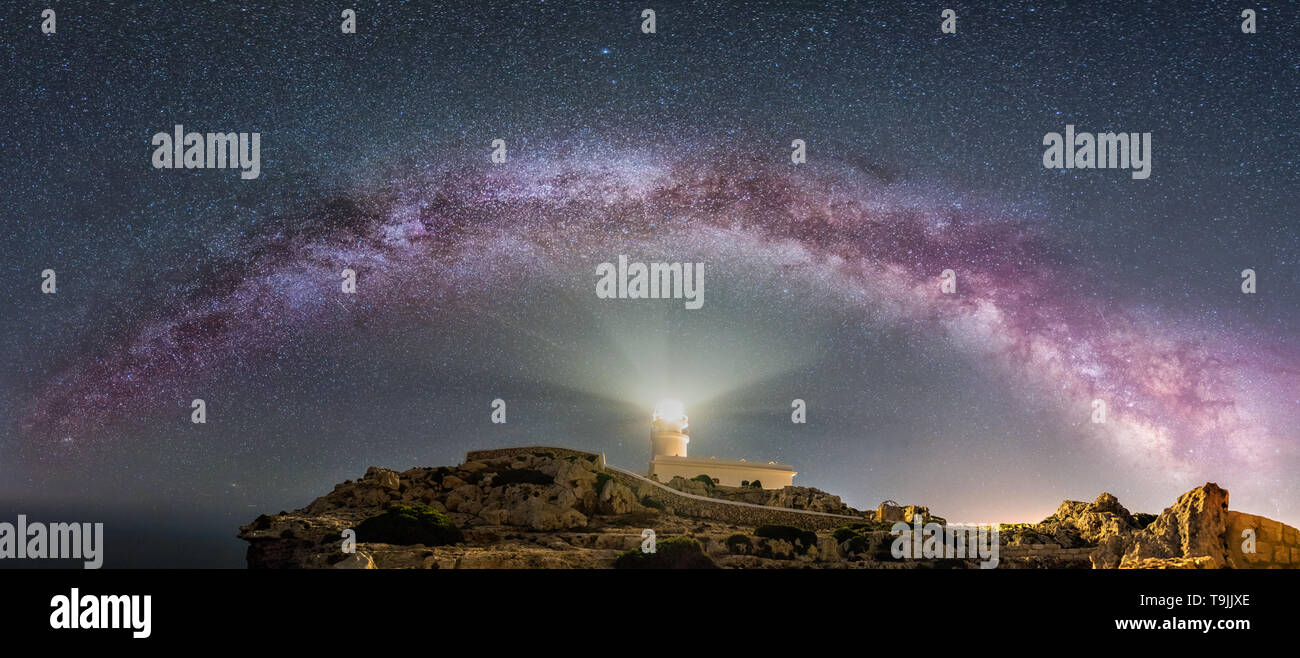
(669, 437)
(669, 430)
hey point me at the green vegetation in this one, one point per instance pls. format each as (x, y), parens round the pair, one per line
(756, 484)
(647, 501)
(410, 524)
(670, 553)
(601, 478)
(802, 539)
(704, 478)
(521, 476)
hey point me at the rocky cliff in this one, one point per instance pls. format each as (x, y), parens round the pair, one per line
(563, 509)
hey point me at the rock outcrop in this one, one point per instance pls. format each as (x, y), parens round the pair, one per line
(565, 509)
(1077, 524)
(804, 498)
(538, 509)
(1195, 533)
(1188, 535)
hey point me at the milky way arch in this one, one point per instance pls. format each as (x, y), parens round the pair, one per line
(1176, 398)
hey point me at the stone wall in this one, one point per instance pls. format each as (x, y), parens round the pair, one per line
(1277, 545)
(748, 514)
(481, 455)
(685, 504)
(1047, 551)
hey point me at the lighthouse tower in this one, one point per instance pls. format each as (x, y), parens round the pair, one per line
(668, 430)
(669, 438)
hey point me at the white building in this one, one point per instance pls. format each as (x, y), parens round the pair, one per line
(669, 436)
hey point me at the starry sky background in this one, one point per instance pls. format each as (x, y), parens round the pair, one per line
(476, 281)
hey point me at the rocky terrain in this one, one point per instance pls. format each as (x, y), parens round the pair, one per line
(550, 510)
(805, 498)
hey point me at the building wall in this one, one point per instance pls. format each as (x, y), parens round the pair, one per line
(672, 444)
(727, 473)
(597, 458)
(1277, 545)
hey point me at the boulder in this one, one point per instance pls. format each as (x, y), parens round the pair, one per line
(466, 499)
(578, 478)
(828, 550)
(778, 549)
(616, 498)
(383, 477)
(1192, 528)
(538, 514)
(494, 516)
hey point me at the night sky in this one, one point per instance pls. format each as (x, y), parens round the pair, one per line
(477, 280)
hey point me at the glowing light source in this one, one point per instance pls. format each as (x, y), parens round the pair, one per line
(670, 410)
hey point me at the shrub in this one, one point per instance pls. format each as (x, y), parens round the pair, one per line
(802, 539)
(670, 553)
(866, 540)
(651, 503)
(703, 478)
(521, 476)
(601, 478)
(410, 524)
(739, 543)
(884, 549)
(843, 534)
(860, 545)
(744, 483)
(756, 484)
